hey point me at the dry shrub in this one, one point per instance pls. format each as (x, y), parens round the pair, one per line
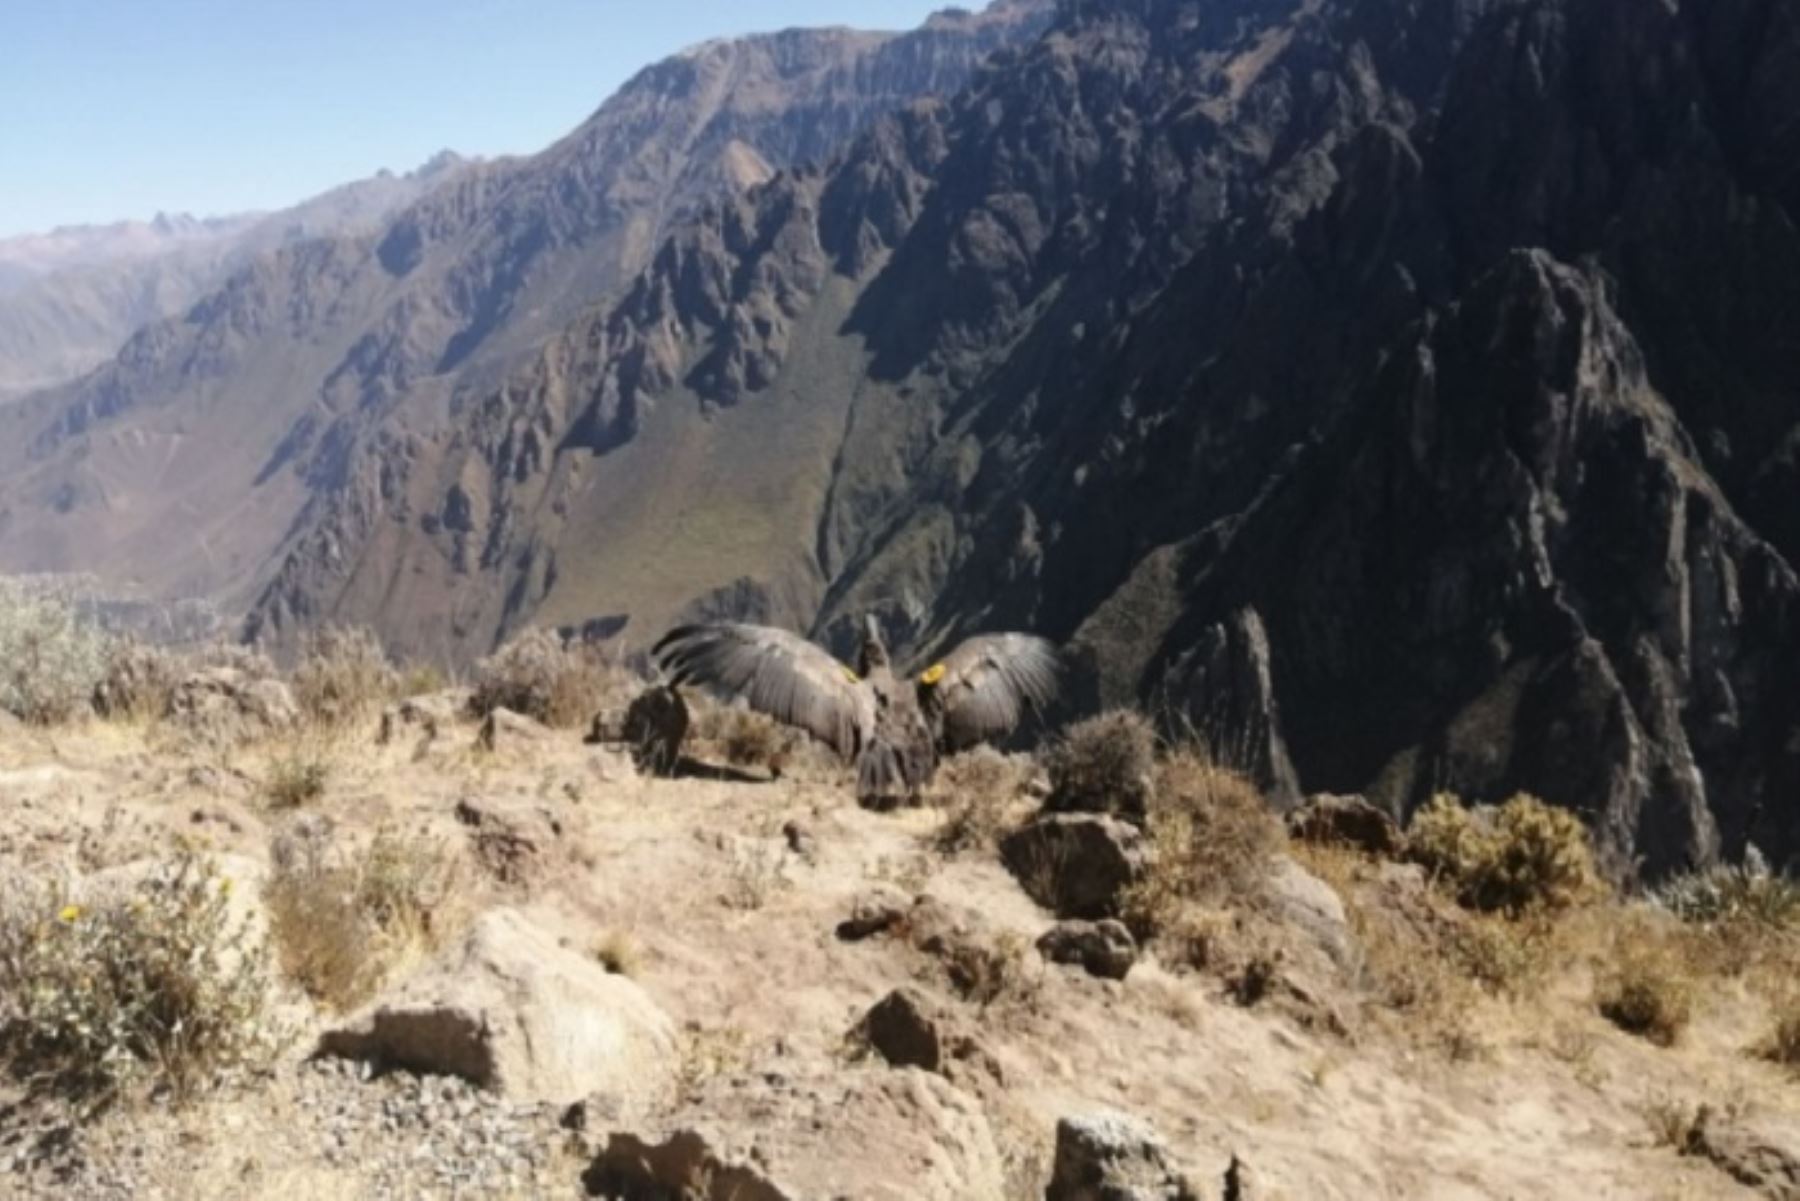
(1646, 990)
(541, 676)
(977, 789)
(750, 739)
(1106, 764)
(51, 657)
(1728, 895)
(1782, 1044)
(618, 953)
(1525, 855)
(296, 778)
(989, 972)
(343, 674)
(139, 682)
(1214, 835)
(161, 989)
(342, 920)
(421, 679)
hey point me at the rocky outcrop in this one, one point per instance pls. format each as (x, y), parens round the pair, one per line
(515, 1013)
(1077, 865)
(1113, 1157)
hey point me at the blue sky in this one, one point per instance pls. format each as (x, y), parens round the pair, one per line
(123, 108)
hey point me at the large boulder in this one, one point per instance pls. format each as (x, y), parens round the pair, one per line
(1309, 906)
(910, 1030)
(512, 1011)
(1077, 864)
(503, 730)
(879, 1135)
(1110, 1156)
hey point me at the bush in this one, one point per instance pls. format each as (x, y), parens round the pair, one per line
(295, 779)
(1723, 895)
(342, 920)
(51, 658)
(160, 988)
(1645, 992)
(343, 674)
(1106, 764)
(977, 787)
(138, 683)
(1214, 835)
(1783, 1043)
(540, 676)
(751, 739)
(1522, 856)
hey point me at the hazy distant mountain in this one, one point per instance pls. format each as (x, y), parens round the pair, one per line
(70, 298)
(192, 460)
(1401, 391)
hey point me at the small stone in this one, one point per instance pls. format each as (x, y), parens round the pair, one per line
(1104, 948)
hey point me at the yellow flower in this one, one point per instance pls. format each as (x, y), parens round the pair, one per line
(225, 887)
(69, 913)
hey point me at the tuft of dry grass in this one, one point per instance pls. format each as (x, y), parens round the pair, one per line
(1213, 834)
(139, 683)
(1106, 764)
(619, 954)
(747, 738)
(976, 788)
(1525, 855)
(296, 778)
(163, 988)
(1782, 1044)
(1646, 990)
(539, 675)
(343, 674)
(342, 920)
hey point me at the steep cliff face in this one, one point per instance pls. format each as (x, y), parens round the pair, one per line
(1399, 391)
(191, 461)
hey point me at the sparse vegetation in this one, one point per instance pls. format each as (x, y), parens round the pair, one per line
(342, 920)
(1524, 855)
(161, 988)
(539, 675)
(747, 738)
(296, 778)
(343, 674)
(138, 682)
(753, 874)
(1782, 1045)
(977, 787)
(987, 973)
(1646, 991)
(1213, 834)
(1106, 764)
(618, 953)
(1730, 894)
(51, 658)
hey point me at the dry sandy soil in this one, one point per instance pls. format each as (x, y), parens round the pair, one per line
(727, 894)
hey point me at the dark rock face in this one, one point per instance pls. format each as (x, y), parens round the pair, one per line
(1105, 949)
(1077, 865)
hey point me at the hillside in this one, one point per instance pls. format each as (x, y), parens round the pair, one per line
(1400, 393)
(187, 464)
(76, 294)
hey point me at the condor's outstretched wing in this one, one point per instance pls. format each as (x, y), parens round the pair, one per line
(776, 673)
(982, 689)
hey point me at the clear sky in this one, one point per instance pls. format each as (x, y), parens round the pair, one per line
(122, 108)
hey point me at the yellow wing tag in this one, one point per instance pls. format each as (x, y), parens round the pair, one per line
(850, 674)
(932, 675)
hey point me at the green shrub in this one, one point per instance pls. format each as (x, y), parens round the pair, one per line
(1106, 764)
(51, 658)
(161, 988)
(1524, 855)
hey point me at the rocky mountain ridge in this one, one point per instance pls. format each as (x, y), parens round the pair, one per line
(1397, 392)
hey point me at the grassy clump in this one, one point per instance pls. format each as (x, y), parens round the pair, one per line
(1106, 764)
(1525, 855)
(160, 989)
(1214, 835)
(51, 658)
(343, 674)
(1729, 895)
(138, 684)
(296, 779)
(618, 953)
(1645, 991)
(539, 675)
(976, 789)
(747, 738)
(342, 920)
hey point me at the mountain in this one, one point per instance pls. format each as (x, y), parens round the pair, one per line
(191, 462)
(69, 299)
(1399, 392)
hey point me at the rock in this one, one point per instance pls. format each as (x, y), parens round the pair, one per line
(881, 1135)
(513, 837)
(800, 840)
(909, 1030)
(1113, 1157)
(1241, 1183)
(1227, 685)
(1105, 948)
(1308, 905)
(654, 726)
(512, 1012)
(222, 705)
(432, 715)
(1077, 865)
(1760, 1156)
(502, 729)
(874, 912)
(1350, 820)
